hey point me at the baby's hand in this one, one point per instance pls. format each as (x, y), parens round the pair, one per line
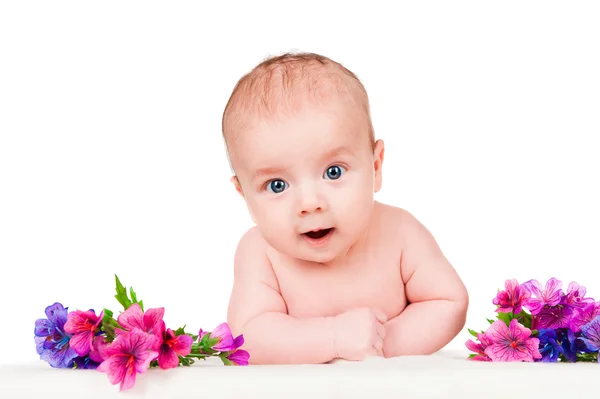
(359, 333)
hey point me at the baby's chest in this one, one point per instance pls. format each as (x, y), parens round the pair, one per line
(313, 292)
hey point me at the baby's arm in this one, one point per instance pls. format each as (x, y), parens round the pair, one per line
(437, 298)
(257, 310)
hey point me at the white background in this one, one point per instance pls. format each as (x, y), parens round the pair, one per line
(111, 157)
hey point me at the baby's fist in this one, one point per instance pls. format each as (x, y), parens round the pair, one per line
(359, 333)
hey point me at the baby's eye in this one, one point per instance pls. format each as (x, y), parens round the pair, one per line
(333, 172)
(276, 186)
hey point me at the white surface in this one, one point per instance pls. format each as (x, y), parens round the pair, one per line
(443, 375)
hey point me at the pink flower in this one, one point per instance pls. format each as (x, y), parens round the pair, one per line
(550, 296)
(172, 347)
(149, 322)
(82, 325)
(511, 344)
(479, 348)
(128, 354)
(512, 299)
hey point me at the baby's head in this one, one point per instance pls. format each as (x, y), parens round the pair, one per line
(301, 144)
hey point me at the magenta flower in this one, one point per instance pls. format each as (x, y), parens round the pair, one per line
(550, 296)
(149, 322)
(552, 317)
(83, 326)
(128, 354)
(479, 348)
(575, 296)
(512, 343)
(172, 347)
(512, 298)
(223, 333)
(591, 335)
(585, 315)
(238, 357)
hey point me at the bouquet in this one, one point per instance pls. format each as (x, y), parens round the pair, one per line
(540, 324)
(130, 344)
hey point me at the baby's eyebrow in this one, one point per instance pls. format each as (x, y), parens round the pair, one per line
(266, 171)
(338, 151)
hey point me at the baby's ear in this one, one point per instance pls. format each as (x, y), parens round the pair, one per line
(378, 163)
(237, 185)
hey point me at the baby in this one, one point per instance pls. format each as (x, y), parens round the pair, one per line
(327, 272)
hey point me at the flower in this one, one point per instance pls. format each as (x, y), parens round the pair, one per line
(238, 357)
(128, 354)
(52, 341)
(549, 348)
(83, 326)
(512, 298)
(583, 316)
(575, 296)
(552, 317)
(134, 317)
(479, 348)
(512, 343)
(550, 296)
(172, 347)
(591, 335)
(222, 333)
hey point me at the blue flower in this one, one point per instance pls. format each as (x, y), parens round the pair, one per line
(549, 348)
(52, 342)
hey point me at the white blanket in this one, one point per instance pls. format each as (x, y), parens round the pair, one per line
(443, 375)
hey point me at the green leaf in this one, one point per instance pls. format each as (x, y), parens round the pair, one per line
(506, 317)
(122, 294)
(154, 363)
(490, 321)
(134, 298)
(473, 333)
(472, 355)
(180, 331)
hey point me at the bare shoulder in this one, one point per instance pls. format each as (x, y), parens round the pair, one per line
(255, 288)
(251, 259)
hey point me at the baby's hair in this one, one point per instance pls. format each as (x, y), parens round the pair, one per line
(279, 85)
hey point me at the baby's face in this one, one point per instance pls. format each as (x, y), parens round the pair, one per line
(308, 180)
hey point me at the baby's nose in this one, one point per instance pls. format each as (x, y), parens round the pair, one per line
(311, 201)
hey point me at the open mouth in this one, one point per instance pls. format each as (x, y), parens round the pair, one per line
(315, 235)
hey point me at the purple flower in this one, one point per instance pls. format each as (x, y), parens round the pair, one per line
(512, 343)
(570, 343)
(583, 316)
(222, 335)
(552, 317)
(52, 341)
(575, 296)
(549, 347)
(591, 335)
(86, 363)
(238, 357)
(550, 296)
(512, 298)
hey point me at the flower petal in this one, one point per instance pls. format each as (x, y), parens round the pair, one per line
(167, 358)
(553, 291)
(239, 357)
(591, 334)
(238, 341)
(152, 319)
(497, 331)
(182, 344)
(81, 342)
(226, 343)
(128, 379)
(43, 328)
(132, 318)
(114, 367)
(534, 287)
